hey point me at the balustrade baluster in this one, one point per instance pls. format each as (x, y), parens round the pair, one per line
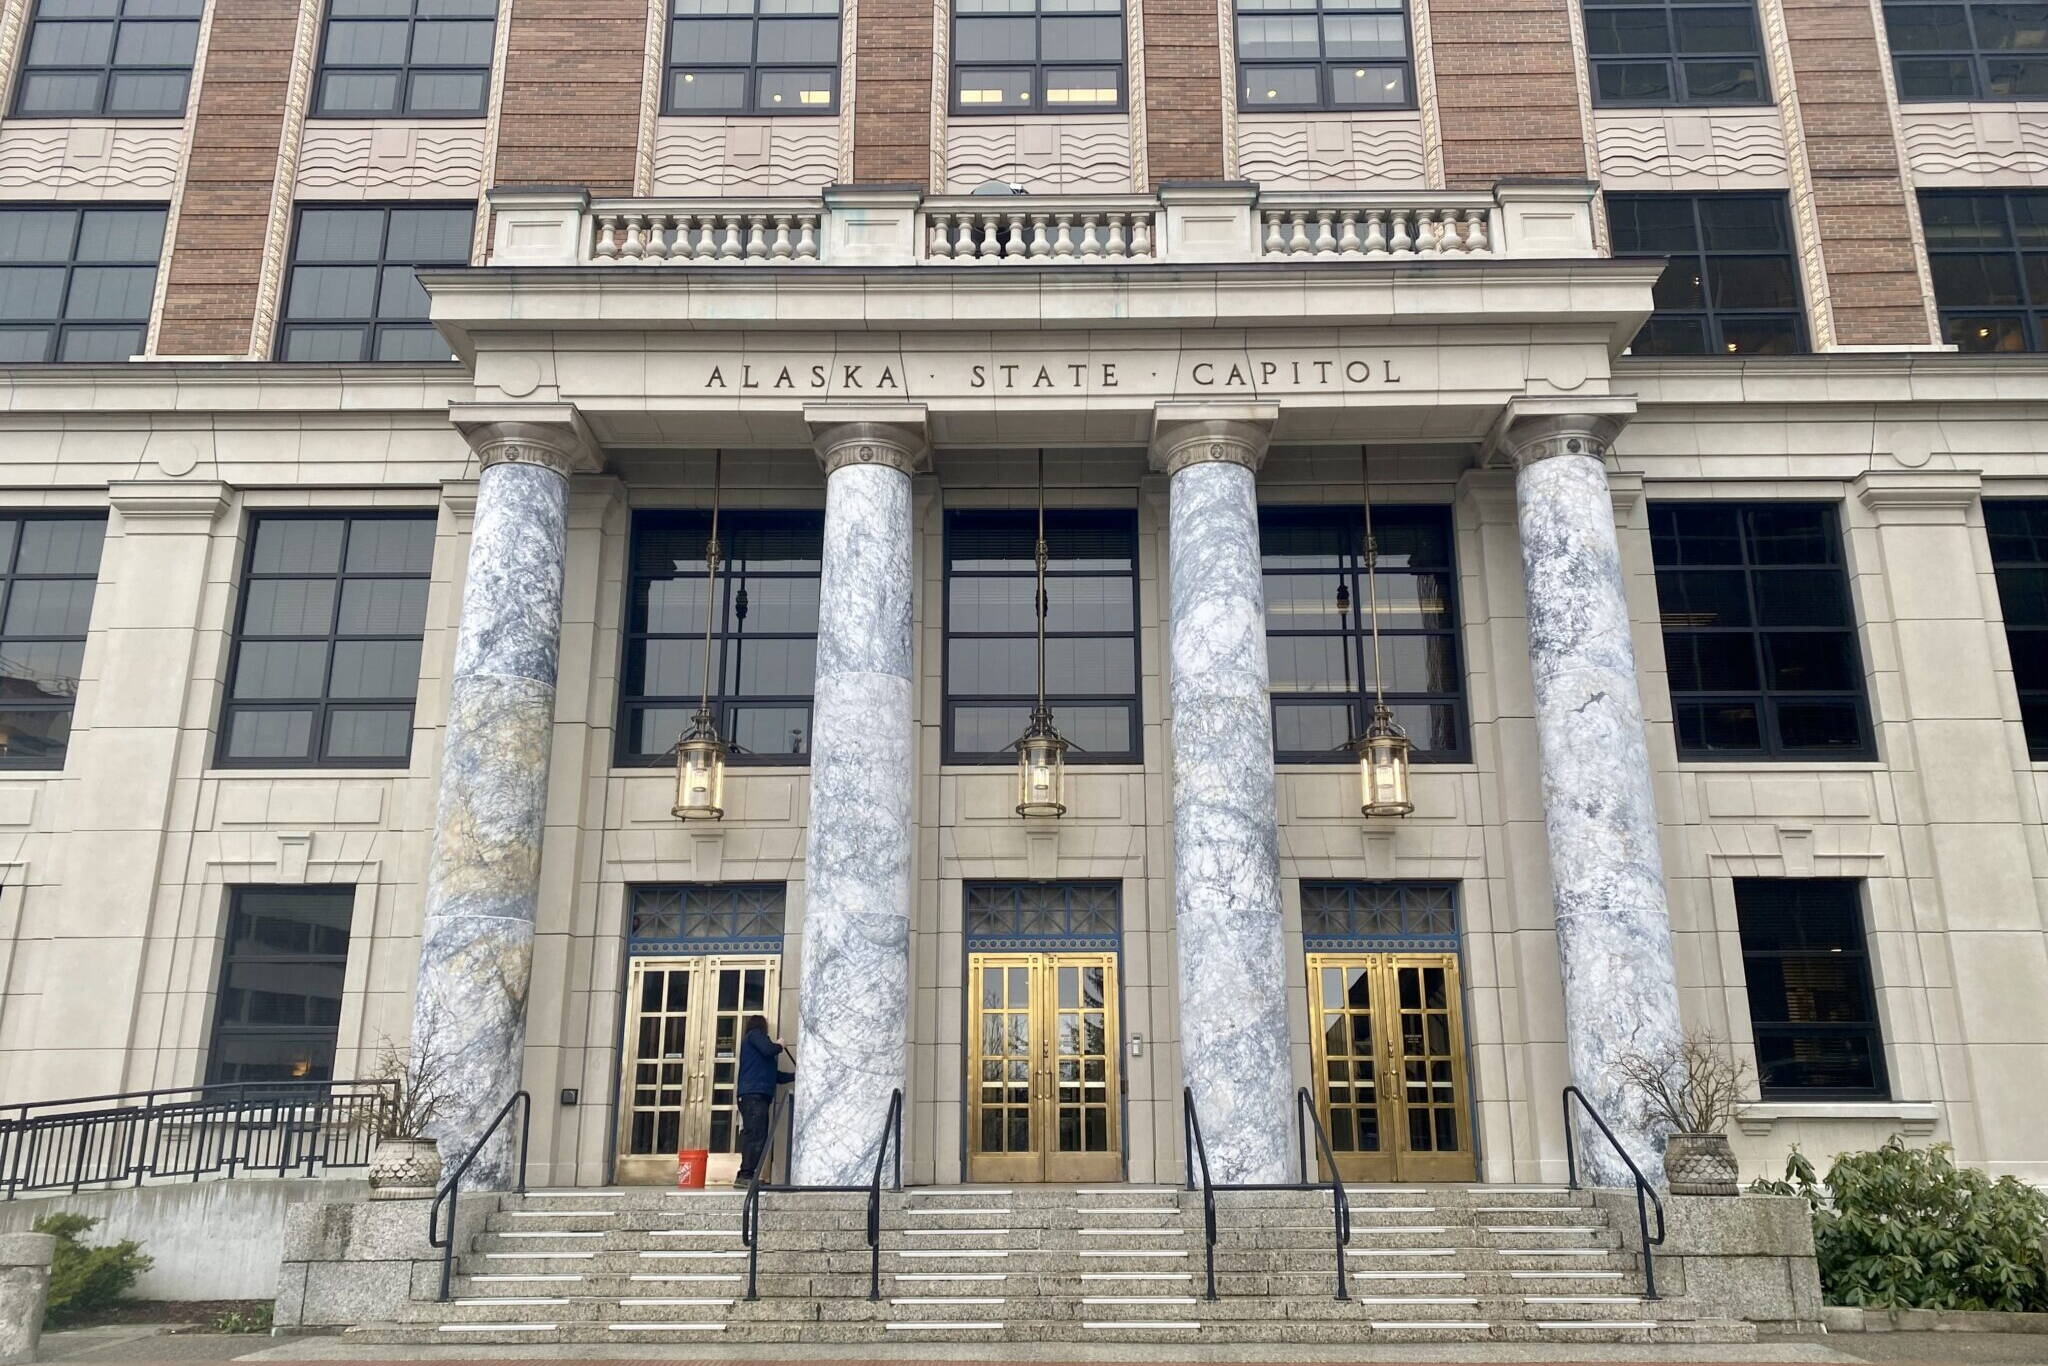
(1116, 247)
(783, 249)
(1276, 244)
(963, 237)
(658, 247)
(1298, 243)
(1041, 245)
(1141, 236)
(1428, 238)
(1326, 241)
(1375, 232)
(1347, 239)
(1091, 245)
(1015, 245)
(706, 238)
(729, 249)
(1063, 241)
(606, 251)
(807, 237)
(1477, 241)
(632, 248)
(1398, 241)
(757, 237)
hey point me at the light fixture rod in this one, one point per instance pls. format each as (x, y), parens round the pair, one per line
(1040, 556)
(713, 558)
(1372, 583)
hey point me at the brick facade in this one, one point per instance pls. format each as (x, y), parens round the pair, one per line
(1507, 90)
(893, 92)
(1183, 91)
(573, 74)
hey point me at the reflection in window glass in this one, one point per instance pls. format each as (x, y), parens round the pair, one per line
(2018, 529)
(1989, 254)
(49, 564)
(113, 58)
(353, 293)
(1978, 50)
(1806, 963)
(1323, 54)
(753, 57)
(76, 284)
(405, 57)
(1670, 52)
(1731, 286)
(281, 985)
(1021, 56)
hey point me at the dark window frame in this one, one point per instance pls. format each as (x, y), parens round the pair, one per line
(1674, 61)
(105, 70)
(1707, 315)
(1357, 632)
(326, 704)
(1133, 702)
(59, 326)
(405, 69)
(2006, 569)
(750, 917)
(1323, 63)
(222, 1028)
(1351, 915)
(11, 576)
(1976, 55)
(753, 69)
(632, 702)
(2029, 313)
(376, 325)
(1041, 68)
(1767, 698)
(1855, 950)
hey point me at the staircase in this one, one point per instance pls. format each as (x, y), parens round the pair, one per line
(1038, 1264)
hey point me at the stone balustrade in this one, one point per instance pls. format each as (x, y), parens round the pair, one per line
(1061, 230)
(657, 234)
(1295, 226)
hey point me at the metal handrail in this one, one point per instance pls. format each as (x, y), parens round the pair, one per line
(1643, 1187)
(451, 1184)
(892, 1126)
(1340, 1202)
(750, 1209)
(1198, 1154)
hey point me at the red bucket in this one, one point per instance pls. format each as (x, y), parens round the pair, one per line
(691, 1166)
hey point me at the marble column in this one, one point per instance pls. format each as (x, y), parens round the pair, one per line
(483, 880)
(853, 1005)
(1600, 820)
(1226, 862)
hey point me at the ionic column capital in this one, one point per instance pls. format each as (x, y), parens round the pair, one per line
(549, 435)
(1532, 429)
(892, 435)
(1185, 434)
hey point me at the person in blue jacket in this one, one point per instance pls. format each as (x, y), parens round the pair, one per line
(760, 1073)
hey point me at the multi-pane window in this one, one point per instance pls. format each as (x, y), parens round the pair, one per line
(1665, 52)
(49, 565)
(1731, 287)
(76, 283)
(764, 641)
(1323, 54)
(1029, 56)
(753, 57)
(416, 58)
(1759, 637)
(354, 292)
(1091, 632)
(2018, 529)
(1811, 1008)
(280, 984)
(720, 917)
(111, 58)
(1981, 50)
(1989, 254)
(1318, 629)
(327, 646)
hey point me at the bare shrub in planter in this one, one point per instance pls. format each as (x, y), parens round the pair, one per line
(1691, 1088)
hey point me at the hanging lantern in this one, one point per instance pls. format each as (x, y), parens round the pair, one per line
(700, 773)
(1383, 767)
(1041, 768)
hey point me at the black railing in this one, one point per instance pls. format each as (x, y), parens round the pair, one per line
(452, 1183)
(1643, 1188)
(1198, 1159)
(750, 1209)
(1305, 1117)
(255, 1128)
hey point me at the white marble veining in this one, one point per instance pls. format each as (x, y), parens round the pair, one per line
(476, 948)
(1613, 926)
(1233, 977)
(853, 1009)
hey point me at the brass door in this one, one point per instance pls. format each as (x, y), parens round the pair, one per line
(680, 1071)
(1044, 1095)
(1389, 1045)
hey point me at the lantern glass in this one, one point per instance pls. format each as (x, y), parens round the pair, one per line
(1041, 775)
(700, 779)
(1383, 770)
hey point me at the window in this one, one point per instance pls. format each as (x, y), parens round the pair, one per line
(753, 57)
(280, 984)
(1037, 56)
(1810, 1003)
(1758, 635)
(353, 294)
(1323, 54)
(1320, 660)
(1665, 52)
(722, 917)
(1022, 916)
(1730, 289)
(1974, 51)
(1091, 633)
(327, 646)
(416, 58)
(1989, 254)
(49, 565)
(77, 284)
(111, 58)
(2019, 556)
(764, 647)
(1341, 916)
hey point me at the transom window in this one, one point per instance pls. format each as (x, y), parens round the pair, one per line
(2018, 529)
(354, 292)
(1042, 915)
(753, 57)
(721, 917)
(1758, 633)
(1336, 916)
(1320, 658)
(76, 284)
(1024, 56)
(764, 642)
(1807, 964)
(1323, 54)
(327, 643)
(1731, 287)
(1666, 52)
(115, 58)
(1989, 254)
(49, 567)
(281, 984)
(1970, 51)
(418, 58)
(1091, 632)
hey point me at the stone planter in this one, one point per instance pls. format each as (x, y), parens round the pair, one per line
(1700, 1164)
(405, 1169)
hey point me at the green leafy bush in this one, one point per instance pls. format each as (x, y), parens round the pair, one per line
(84, 1280)
(1905, 1228)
